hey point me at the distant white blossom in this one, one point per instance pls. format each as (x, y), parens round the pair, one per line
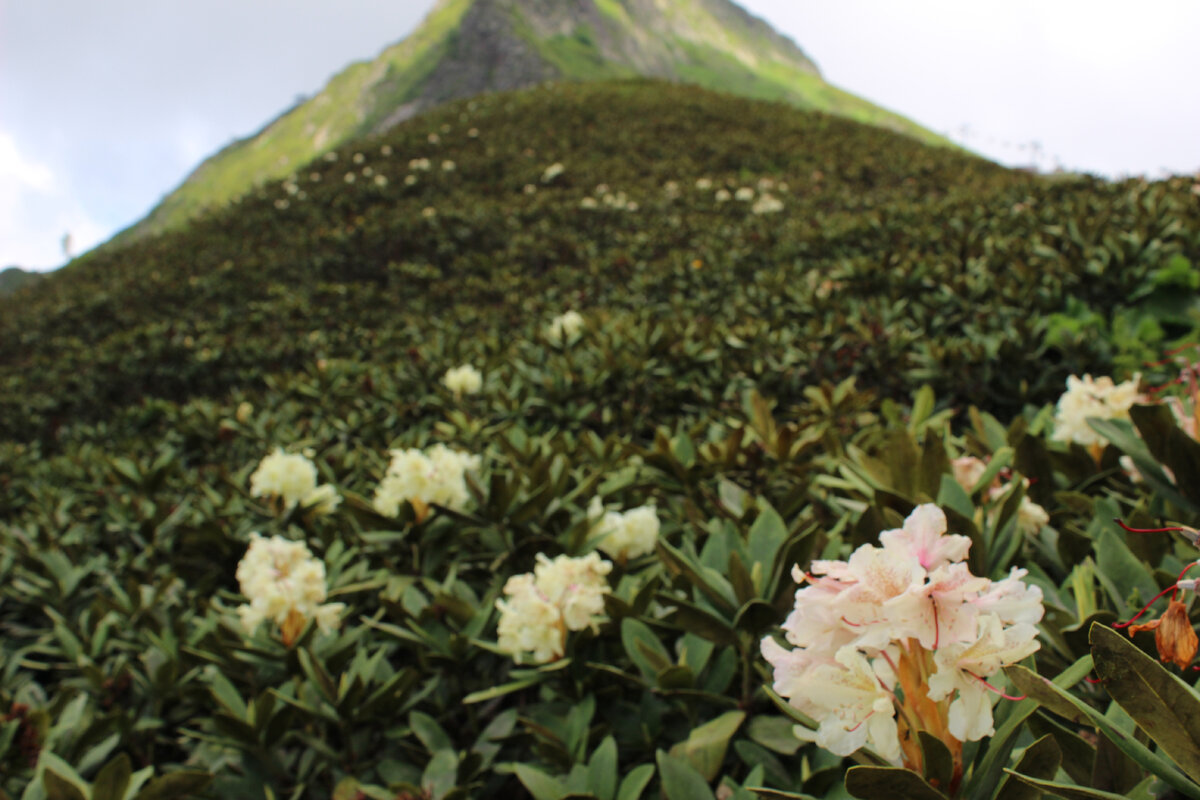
(435, 476)
(449, 166)
(285, 585)
(564, 328)
(563, 594)
(745, 194)
(291, 479)
(464, 379)
(551, 172)
(767, 204)
(704, 184)
(722, 196)
(1086, 398)
(623, 536)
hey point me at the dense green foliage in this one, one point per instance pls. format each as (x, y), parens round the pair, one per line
(782, 386)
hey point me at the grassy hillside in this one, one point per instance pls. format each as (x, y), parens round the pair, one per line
(791, 328)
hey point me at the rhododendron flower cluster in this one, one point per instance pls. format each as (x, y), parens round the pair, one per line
(1086, 398)
(286, 585)
(463, 379)
(436, 476)
(290, 479)
(564, 328)
(902, 638)
(623, 535)
(566, 594)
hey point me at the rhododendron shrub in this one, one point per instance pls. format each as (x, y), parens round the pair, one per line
(902, 638)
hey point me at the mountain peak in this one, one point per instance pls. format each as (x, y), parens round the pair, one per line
(467, 47)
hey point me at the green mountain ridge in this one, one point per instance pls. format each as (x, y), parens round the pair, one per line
(466, 47)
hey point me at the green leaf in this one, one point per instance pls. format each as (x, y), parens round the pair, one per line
(501, 690)
(1065, 790)
(1162, 705)
(778, 794)
(680, 781)
(113, 779)
(939, 763)
(767, 535)
(1036, 687)
(773, 733)
(602, 770)
(705, 747)
(633, 784)
(441, 774)
(895, 783)
(539, 784)
(1040, 761)
(174, 785)
(429, 732)
(643, 648)
(58, 787)
(225, 694)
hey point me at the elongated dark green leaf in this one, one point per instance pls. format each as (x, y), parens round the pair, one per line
(767, 535)
(113, 779)
(680, 781)
(778, 794)
(1065, 790)
(1028, 681)
(602, 770)
(501, 690)
(1162, 705)
(1040, 761)
(539, 784)
(705, 747)
(174, 785)
(633, 784)
(939, 763)
(643, 648)
(987, 774)
(871, 783)
(59, 788)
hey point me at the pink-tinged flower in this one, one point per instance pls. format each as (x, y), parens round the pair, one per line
(924, 537)
(967, 471)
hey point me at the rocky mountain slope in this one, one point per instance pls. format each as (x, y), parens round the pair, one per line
(466, 47)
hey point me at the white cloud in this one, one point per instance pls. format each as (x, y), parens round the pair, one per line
(36, 211)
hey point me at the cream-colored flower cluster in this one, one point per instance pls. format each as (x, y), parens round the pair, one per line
(291, 479)
(767, 204)
(1086, 398)
(968, 470)
(436, 476)
(566, 594)
(623, 535)
(901, 638)
(564, 328)
(464, 379)
(553, 171)
(285, 585)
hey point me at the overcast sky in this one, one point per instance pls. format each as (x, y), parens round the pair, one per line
(106, 105)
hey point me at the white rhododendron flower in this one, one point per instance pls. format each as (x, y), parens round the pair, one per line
(767, 204)
(449, 166)
(1086, 398)
(589, 203)
(624, 535)
(560, 595)
(551, 172)
(291, 479)
(876, 637)
(704, 184)
(564, 328)
(285, 585)
(436, 476)
(463, 379)
(419, 164)
(744, 194)
(722, 196)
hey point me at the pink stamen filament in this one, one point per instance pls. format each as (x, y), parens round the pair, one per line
(994, 689)
(1147, 530)
(860, 723)
(937, 631)
(1172, 588)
